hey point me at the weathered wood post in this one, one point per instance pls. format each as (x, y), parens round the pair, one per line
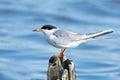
(61, 69)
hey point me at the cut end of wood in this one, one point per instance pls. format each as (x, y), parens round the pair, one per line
(61, 68)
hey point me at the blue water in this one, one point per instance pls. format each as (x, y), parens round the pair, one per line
(24, 54)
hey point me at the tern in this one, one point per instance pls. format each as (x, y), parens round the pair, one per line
(66, 39)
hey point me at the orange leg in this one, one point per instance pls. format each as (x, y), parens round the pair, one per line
(61, 52)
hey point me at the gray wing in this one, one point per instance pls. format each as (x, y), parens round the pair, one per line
(68, 36)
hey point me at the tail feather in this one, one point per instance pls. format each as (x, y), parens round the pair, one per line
(98, 34)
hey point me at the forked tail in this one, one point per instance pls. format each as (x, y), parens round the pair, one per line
(98, 34)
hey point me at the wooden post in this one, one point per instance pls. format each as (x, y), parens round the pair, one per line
(61, 69)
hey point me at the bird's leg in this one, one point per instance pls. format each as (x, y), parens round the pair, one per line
(61, 52)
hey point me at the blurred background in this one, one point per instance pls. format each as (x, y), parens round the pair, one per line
(24, 54)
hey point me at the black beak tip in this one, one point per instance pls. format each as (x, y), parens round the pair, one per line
(34, 30)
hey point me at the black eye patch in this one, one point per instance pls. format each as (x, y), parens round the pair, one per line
(48, 27)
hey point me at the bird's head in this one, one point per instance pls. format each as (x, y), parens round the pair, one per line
(46, 28)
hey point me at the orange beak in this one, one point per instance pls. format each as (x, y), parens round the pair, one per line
(38, 30)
